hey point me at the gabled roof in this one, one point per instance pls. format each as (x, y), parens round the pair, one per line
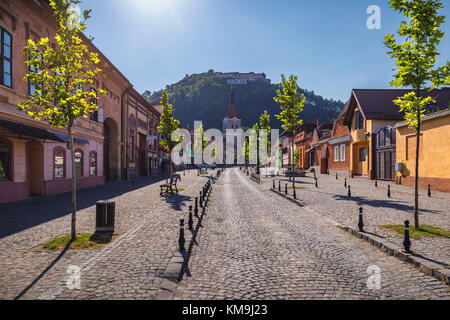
(377, 104)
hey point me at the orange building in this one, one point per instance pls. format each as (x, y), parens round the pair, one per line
(339, 147)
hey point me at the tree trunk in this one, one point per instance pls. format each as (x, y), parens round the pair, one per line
(293, 166)
(74, 186)
(416, 179)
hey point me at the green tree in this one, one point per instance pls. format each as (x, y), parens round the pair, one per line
(61, 79)
(296, 158)
(167, 127)
(264, 123)
(291, 106)
(415, 61)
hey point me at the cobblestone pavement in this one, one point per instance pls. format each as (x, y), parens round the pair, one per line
(256, 245)
(330, 199)
(129, 267)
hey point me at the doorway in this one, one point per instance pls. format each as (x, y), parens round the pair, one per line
(35, 165)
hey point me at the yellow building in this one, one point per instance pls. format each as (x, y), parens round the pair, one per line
(434, 149)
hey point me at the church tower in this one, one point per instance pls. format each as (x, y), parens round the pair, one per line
(231, 120)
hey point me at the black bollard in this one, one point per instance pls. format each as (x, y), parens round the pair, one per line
(190, 221)
(317, 184)
(201, 200)
(196, 207)
(279, 185)
(429, 191)
(345, 183)
(376, 184)
(349, 191)
(273, 184)
(285, 189)
(389, 191)
(181, 240)
(407, 241)
(337, 176)
(360, 222)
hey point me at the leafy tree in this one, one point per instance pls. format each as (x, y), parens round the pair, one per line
(167, 127)
(415, 61)
(264, 123)
(61, 79)
(291, 106)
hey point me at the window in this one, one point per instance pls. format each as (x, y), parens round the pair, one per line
(5, 58)
(359, 120)
(78, 163)
(5, 161)
(59, 156)
(342, 152)
(94, 115)
(92, 163)
(362, 154)
(132, 146)
(336, 153)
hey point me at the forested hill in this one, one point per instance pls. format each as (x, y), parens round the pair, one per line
(206, 98)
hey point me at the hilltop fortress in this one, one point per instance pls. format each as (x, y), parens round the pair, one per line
(237, 78)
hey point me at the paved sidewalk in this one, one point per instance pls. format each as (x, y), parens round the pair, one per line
(129, 267)
(256, 245)
(331, 200)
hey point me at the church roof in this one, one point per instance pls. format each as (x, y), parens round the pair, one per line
(232, 113)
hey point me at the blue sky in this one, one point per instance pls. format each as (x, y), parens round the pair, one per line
(324, 42)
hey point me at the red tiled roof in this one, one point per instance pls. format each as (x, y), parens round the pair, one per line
(232, 113)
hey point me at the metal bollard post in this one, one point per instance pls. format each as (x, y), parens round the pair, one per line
(285, 189)
(279, 185)
(295, 194)
(360, 222)
(349, 191)
(376, 184)
(407, 241)
(389, 191)
(201, 200)
(190, 221)
(273, 184)
(337, 176)
(196, 207)
(181, 240)
(317, 184)
(345, 183)
(429, 191)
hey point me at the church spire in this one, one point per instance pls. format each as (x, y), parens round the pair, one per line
(231, 96)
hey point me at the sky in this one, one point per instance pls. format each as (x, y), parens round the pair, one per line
(326, 43)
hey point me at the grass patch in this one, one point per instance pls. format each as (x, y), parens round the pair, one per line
(423, 231)
(292, 188)
(83, 241)
(179, 189)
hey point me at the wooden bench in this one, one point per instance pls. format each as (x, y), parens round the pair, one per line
(173, 182)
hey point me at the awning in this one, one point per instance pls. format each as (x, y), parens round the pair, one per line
(29, 131)
(66, 138)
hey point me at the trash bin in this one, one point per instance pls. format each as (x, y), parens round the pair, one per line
(105, 216)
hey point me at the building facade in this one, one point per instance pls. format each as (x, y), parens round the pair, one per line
(34, 158)
(434, 147)
(339, 147)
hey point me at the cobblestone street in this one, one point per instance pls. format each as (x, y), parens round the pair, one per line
(257, 245)
(129, 267)
(254, 244)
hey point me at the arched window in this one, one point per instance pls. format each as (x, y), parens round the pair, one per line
(59, 162)
(79, 163)
(92, 163)
(5, 160)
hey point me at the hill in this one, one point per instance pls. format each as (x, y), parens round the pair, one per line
(206, 98)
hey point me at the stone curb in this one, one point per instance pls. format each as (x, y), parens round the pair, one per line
(424, 264)
(174, 271)
(288, 197)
